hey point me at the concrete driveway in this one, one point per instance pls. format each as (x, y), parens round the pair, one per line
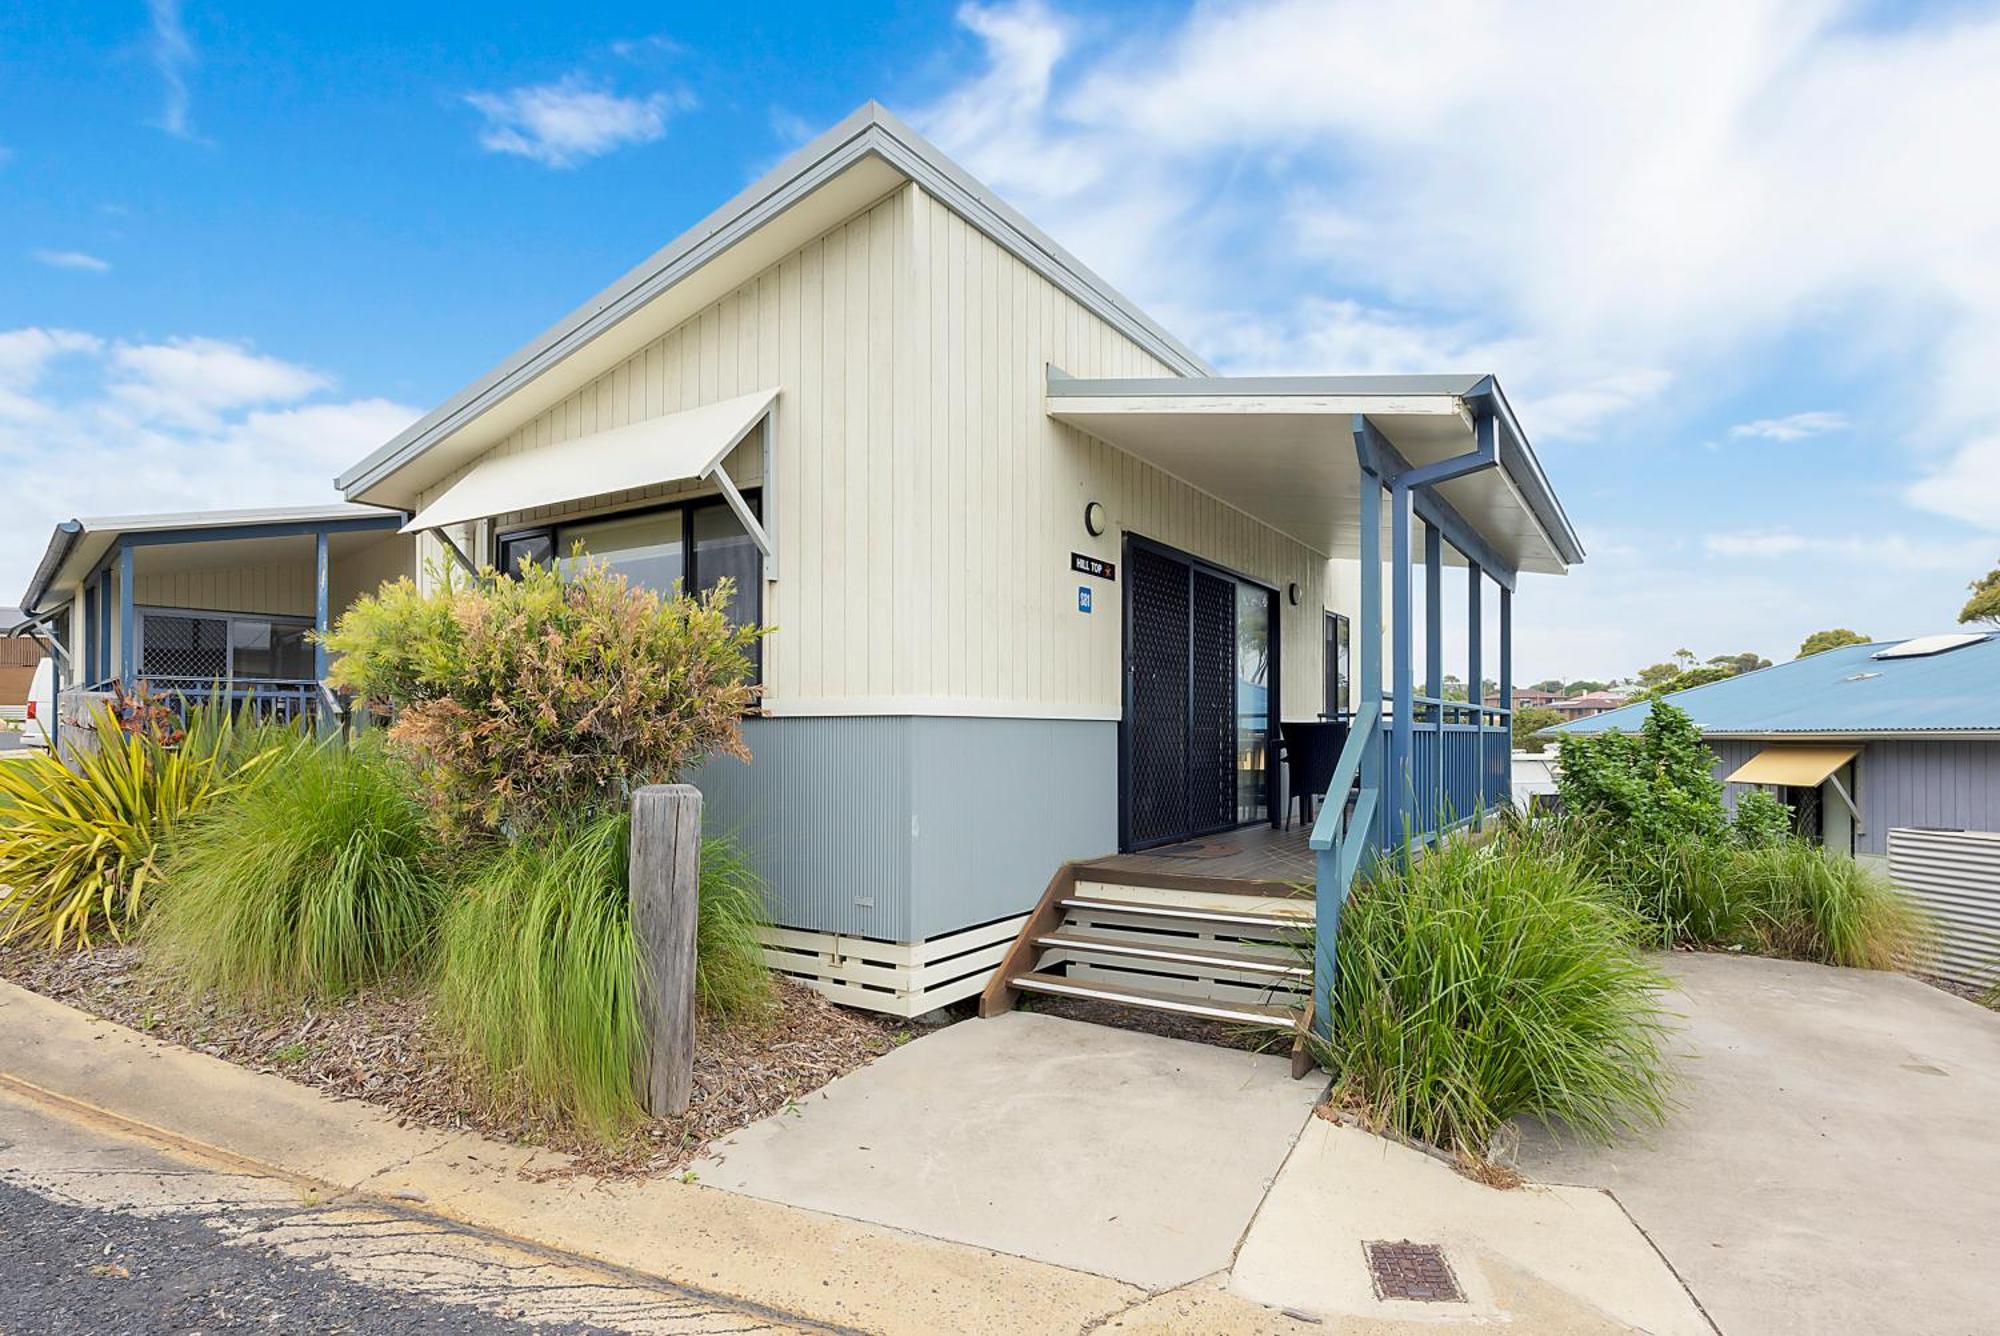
(1129, 1155)
(1835, 1167)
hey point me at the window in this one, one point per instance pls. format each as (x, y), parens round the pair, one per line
(1337, 663)
(214, 646)
(693, 545)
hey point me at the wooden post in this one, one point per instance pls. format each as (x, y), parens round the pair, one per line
(666, 902)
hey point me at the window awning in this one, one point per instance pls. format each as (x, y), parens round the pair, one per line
(1793, 766)
(674, 448)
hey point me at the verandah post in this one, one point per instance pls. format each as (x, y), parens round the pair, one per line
(320, 599)
(1507, 687)
(665, 894)
(1397, 787)
(1434, 667)
(1475, 630)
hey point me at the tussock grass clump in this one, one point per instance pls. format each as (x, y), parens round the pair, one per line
(308, 880)
(80, 849)
(1815, 905)
(1488, 981)
(538, 975)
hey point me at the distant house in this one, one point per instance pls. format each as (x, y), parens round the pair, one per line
(1527, 698)
(1588, 704)
(18, 657)
(1885, 751)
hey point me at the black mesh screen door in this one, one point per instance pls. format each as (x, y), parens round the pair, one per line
(1179, 736)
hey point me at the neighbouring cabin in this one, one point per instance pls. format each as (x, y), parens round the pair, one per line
(1889, 752)
(1045, 589)
(218, 602)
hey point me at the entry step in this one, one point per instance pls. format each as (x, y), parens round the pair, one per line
(1194, 954)
(1241, 918)
(1242, 1013)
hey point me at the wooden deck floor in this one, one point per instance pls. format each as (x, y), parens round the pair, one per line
(1255, 856)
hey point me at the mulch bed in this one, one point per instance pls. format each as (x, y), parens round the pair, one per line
(380, 1045)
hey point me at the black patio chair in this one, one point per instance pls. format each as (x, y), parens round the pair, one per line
(1310, 752)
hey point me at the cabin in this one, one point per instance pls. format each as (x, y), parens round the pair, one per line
(1889, 752)
(192, 604)
(1051, 597)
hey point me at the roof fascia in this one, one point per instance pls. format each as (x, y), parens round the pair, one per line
(869, 131)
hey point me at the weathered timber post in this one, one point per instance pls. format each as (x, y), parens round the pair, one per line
(666, 902)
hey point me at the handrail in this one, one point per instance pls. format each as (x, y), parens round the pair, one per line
(1327, 828)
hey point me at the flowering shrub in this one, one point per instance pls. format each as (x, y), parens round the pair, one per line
(548, 697)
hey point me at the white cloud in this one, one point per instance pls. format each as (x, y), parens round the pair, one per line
(173, 53)
(1882, 552)
(180, 424)
(563, 123)
(193, 382)
(69, 259)
(1791, 427)
(1618, 198)
(1966, 485)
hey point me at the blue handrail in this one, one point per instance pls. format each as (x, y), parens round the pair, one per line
(1339, 840)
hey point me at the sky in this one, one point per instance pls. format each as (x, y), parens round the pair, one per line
(1737, 264)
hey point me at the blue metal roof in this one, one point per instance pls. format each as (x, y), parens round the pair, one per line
(1845, 690)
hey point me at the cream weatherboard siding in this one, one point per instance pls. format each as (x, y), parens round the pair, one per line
(282, 588)
(924, 506)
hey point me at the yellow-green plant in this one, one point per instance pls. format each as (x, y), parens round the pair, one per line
(79, 848)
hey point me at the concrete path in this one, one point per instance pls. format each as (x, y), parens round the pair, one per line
(1548, 1260)
(1835, 1167)
(1128, 1155)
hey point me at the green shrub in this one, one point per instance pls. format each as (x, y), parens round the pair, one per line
(1761, 819)
(1485, 982)
(525, 701)
(538, 978)
(310, 879)
(79, 849)
(1652, 786)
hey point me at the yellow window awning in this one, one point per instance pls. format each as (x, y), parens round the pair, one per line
(1793, 766)
(673, 448)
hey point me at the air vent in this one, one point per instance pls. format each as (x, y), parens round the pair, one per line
(1859, 677)
(1925, 646)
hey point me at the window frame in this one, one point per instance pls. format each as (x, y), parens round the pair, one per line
(691, 577)
(1336, 686)
(228, 620)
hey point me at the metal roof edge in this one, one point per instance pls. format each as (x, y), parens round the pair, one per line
(61, 540)
(1117, 387)
(869, 130)
(1524, 466)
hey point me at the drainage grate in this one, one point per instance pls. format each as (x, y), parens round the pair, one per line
(1406, 1270)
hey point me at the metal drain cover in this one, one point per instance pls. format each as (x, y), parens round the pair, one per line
(1406, 1270)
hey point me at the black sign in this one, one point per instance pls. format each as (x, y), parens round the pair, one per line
(1096, 566)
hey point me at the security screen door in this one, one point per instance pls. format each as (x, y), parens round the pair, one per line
(1199, 678)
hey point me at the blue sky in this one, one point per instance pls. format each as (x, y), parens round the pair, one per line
(1736, 263)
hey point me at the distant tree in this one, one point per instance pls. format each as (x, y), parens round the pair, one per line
(1583, 686)
(1747, 662)
(1530, 721)
(1821, 641)
(1984, 605)
(1655, 673)
(1551, 684)
(1693, 677)
(1685, 658)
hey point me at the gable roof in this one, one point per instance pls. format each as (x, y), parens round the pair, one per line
(864, 157)
(1845, 692)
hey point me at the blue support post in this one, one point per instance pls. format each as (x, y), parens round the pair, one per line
(1506, 682)
(1396, 786)
(1475, 629)
(1434, 667)
(87, 652)
(127, 637)
(320, 599)
(101, 669)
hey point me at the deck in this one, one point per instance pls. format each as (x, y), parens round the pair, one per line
(1254, 859)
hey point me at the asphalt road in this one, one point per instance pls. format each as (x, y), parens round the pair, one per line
(102, 1233)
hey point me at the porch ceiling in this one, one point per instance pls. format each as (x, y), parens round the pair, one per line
(1283, 452)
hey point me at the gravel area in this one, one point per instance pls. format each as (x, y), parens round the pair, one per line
(380, 1045)
(72, 1269)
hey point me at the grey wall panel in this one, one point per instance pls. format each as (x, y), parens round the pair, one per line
(824, 809)
(1955, 876)
(903, 828)
(999, 805)
(1939, 785)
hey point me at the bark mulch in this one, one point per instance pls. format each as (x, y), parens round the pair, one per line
(380, 1045)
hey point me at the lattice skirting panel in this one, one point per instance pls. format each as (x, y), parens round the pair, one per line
(902, 979)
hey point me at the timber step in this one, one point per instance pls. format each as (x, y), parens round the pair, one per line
(1227, 951)
(1192, 954)
(1242, 918)
(1242, 1013)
